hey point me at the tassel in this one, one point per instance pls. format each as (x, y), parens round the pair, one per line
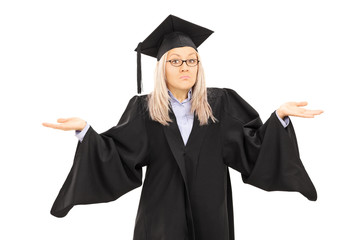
(139, 82)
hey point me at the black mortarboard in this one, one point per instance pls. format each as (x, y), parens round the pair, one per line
(173, 32)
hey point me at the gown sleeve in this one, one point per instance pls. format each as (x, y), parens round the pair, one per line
(266, 155)
(106, 165)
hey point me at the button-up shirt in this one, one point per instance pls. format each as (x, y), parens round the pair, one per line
(184, 117)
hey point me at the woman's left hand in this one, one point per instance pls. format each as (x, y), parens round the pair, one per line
(294, 109)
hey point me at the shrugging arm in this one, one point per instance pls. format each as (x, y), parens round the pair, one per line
(266, 155)
(106, 165)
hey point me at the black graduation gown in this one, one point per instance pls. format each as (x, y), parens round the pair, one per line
(186, 194)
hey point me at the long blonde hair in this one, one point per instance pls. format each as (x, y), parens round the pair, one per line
(158, 100)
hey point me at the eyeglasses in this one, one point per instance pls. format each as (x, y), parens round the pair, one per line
(179, 62)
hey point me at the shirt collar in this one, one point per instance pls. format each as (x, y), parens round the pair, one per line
(174, 99)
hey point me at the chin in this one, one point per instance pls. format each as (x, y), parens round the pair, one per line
(186, 86)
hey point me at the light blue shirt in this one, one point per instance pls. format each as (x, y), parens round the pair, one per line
(184, 117)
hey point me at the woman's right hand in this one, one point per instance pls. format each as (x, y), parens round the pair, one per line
(67, 124)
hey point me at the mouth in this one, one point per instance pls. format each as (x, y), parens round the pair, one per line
(183, 77)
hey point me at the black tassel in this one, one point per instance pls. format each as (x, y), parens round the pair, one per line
(139, 83)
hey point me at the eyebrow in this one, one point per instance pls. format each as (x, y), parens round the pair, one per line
(179, 55)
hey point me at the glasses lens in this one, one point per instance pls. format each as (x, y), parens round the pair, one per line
(175, 62)
(192, 62)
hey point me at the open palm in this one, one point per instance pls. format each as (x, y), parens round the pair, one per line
(294, 109)
(67, 124)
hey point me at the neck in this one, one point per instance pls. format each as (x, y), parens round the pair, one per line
(180, 94)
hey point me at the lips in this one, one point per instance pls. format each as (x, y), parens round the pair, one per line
(184, 77)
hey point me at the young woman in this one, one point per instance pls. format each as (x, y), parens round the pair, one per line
(187, 135)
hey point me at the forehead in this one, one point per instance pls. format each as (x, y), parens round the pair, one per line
(182, 51)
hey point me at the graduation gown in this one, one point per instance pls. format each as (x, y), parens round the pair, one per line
(186, 193)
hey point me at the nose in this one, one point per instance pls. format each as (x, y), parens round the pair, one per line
(184, 67)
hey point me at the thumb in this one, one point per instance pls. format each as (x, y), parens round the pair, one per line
(61, 120)
(303, 103)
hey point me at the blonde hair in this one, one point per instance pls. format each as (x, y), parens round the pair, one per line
(158, 100)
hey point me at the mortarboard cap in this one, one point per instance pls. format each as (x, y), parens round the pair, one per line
(173, 32)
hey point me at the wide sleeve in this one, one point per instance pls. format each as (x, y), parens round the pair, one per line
(266, 155)
(106, 165)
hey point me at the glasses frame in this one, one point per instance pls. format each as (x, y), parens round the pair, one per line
(182, 62)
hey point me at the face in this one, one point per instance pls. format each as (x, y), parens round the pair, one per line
(175, 80)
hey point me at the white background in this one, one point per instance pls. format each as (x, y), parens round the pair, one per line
(77, 59)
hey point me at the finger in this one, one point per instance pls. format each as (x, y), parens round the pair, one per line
(305, 115)
(45, 124)
(51, 125)
(317, 112)
(313, 112)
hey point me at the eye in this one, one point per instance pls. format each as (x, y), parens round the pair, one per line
(192, 61)
(175, 61)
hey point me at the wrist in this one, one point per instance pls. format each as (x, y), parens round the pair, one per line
(280, 113)
(84, 125)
